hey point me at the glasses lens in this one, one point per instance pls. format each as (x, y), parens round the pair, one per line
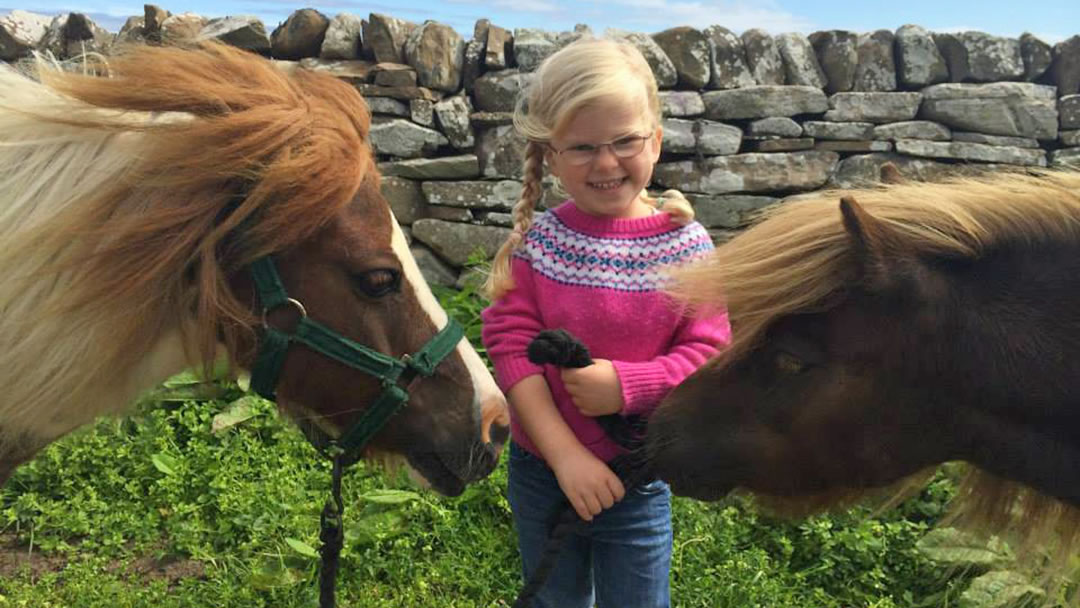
(579, 155)
(628, 146)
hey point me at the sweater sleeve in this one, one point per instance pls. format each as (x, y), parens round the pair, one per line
(646, 383)
(510, 323)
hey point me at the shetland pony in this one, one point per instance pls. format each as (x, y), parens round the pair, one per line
(131, 207)
(880, 332)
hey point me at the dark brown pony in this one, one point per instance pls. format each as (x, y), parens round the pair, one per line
(131, 207)
(881, 332)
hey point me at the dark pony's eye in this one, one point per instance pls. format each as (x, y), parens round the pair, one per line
(789, 363)
(379, 282)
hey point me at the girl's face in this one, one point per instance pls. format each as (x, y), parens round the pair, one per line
(607, 184)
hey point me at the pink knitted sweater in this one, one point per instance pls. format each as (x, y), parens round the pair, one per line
(600, 279)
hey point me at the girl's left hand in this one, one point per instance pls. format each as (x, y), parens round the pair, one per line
(595, 389)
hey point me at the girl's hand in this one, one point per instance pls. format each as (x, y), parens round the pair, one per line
(595, 389)
(588, 483)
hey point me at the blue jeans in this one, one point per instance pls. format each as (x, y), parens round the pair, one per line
(621, 559)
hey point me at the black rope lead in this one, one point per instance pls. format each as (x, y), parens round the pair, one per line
(332, 535)
(559, 347)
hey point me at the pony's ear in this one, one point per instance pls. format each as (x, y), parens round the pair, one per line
(884, 261)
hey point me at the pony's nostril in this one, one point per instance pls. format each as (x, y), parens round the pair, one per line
(495, 420)
(499, 434)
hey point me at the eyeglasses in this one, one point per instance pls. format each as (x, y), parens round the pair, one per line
(583, 154)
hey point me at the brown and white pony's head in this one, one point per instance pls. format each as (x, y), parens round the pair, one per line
(131, 207)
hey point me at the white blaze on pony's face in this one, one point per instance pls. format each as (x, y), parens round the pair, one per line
(490, 406)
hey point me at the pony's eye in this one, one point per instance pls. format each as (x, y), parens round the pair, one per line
(789, 363)
(379, 282)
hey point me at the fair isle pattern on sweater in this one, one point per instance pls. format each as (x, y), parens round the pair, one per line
(632, 263)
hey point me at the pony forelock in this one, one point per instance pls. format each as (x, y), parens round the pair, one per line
(126, 201)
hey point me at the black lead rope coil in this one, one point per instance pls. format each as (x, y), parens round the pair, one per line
(560, 348)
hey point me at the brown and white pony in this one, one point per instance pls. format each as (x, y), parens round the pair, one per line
(130, 209)
(878, 333)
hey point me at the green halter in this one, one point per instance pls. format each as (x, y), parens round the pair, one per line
(274, 343)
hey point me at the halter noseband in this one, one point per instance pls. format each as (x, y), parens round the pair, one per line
(274, 343)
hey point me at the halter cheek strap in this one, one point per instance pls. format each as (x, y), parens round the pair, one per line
(274, 344)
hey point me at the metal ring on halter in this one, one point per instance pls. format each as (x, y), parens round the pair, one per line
(295, 304)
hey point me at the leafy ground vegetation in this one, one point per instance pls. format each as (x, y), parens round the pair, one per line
(205, 497)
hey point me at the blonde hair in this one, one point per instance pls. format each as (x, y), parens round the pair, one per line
(584, 72)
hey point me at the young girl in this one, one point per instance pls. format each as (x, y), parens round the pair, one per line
(592, 266)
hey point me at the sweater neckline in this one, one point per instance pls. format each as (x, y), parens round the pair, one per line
(592, 224)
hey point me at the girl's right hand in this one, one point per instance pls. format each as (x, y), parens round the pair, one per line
(588, 483)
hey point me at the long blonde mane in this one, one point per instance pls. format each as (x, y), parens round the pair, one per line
(120, 199)
(798, 258)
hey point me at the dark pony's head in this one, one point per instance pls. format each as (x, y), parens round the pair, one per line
(224, 159)
(881, 332)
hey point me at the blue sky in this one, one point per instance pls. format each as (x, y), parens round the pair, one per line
(1051, 20)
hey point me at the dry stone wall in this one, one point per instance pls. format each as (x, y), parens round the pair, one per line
(748, 119)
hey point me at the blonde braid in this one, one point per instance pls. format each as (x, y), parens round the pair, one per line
(675, 204)
(500, 280)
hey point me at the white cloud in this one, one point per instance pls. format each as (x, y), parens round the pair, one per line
(736, 16)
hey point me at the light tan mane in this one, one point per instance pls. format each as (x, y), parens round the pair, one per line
(798, 258)
(120, 200)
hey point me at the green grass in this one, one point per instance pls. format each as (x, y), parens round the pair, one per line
(159, 509)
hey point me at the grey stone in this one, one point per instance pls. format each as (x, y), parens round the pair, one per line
(1037, 56)
(749, 172)
(800, 62)
(532, 46)
(242, 31)
(182, 28)
(680, 104)
(858, 147)
(864, 170)
(838, 130)
(727, 210)
(343, 36)
(449, 214)
(1069, 138)
(1069, 112)
(405, 139)
(385, 36)
(729, 67)
(1002, 108)
(700, 136)
(783, 144)
(779, 126)
(422, 112)
(488, 195)
(995, 140)
(913, 129)
(20, 33)
(499, 50)
(498, 91)
(491, 119)
(455, 242)
(918, 61)
(434, 270)
(763, 57)
(299, 36)
(437, 53)
(873, 107)
(992, 58)
(453, 119)
(689, 52)
(465, 166)
(354, 71)
(386, 105)
(955, 55)
(876, 70)
(1065, 66)
(75, 35)
(405, 198)
(501, 152)
(972, 151)
(764, 101)
(388, 74)
(473, 66)
(1066, 157)
(662, 66)
(838, 56)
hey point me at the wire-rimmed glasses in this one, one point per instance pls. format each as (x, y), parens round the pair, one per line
(583, 154)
